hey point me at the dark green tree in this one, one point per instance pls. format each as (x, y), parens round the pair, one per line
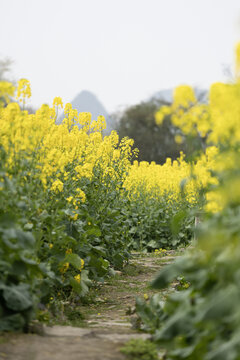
(5, 65)
(155, 143)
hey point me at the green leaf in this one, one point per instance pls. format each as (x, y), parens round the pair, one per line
(15, 238)
(99, 250)
(82, 287)
(179, 323)
(74, 260)
(76, 286)
(14, 322)
(4, 265)
(152, 244)
(27, 260)
(228, 350)
(7, 219)
(85, 282)
(94, 230)
(17, 297)
(177, 221)
(166, 275)
(19, 268)
(28, 226)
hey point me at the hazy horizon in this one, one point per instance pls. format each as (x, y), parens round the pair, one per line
(122, 51)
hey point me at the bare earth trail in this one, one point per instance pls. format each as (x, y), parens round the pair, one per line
(106, 326)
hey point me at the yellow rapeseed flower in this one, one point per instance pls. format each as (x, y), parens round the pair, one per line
(77, 278)
(64, 267)
(57, 101)
(69, 251)
(82, 264)
(81, 195)
(57, 186)
(24, 89)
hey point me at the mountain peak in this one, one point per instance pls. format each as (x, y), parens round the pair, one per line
(86, 101)
(87, 94)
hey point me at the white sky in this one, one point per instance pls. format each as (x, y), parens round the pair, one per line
(122, 50)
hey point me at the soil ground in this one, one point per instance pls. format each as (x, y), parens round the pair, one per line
(105, 327)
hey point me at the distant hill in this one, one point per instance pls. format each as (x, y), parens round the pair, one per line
(165, 95)
(86, 101)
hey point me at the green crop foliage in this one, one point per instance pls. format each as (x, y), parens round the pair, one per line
(201, 321)
(138, 349)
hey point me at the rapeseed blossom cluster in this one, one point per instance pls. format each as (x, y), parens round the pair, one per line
(218, 121)
(6, 91)
(72, 151)
(186, 113)
(23, 90)
(57, 101)
(57, 186)
(155, 181)
(76, 143)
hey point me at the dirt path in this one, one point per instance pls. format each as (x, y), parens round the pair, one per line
(106, 326)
